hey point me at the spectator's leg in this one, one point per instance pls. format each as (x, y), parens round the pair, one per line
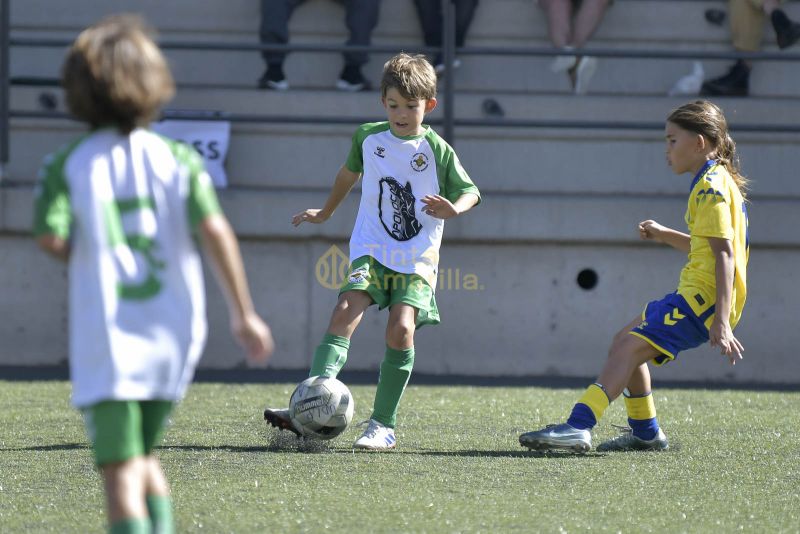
(559, 17)
(430, 20)
(787, 32)
(747, 24)
(465, 12)
(747, 30)
(361, 18)
(275, 16)
(587, 19)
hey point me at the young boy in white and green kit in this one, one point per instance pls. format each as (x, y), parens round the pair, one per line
(411, 181)
(120, 205)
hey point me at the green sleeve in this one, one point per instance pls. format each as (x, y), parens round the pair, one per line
(453, 178)
(52, 210)
(355, 159)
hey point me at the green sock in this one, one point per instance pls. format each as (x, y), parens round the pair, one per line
(160, 509)
(395, 371)
(330, 356)
(131, 525)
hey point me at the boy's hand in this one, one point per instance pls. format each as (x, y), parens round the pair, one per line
(255, 337)
(439, 207)
(650, 229)
(312, 216)
(720, 335)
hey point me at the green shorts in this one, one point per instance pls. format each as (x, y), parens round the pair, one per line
(121, 430)
(388, 287)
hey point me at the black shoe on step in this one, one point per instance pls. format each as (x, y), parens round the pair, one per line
(786, 31)
(735, 83)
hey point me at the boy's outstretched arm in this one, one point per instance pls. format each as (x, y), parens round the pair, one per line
(650, 229)
(441, 208)
(720, 334)
(345, 180)
(222, 248)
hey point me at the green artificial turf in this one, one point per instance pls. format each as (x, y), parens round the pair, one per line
(733, 466)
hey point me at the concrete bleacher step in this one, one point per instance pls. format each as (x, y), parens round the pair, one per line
(629, 24)
(366, 105)
(307, 155)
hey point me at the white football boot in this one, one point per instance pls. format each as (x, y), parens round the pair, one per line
(377, 437)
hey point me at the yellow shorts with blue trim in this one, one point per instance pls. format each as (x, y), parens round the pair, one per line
(670, 326)
(388, 287)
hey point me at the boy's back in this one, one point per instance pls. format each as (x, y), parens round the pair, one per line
(128, 203)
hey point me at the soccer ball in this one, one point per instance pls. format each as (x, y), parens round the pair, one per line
(321, 407)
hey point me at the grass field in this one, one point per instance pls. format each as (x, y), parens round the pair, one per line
(734, 466)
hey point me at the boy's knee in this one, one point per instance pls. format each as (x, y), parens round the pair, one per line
(400, 334)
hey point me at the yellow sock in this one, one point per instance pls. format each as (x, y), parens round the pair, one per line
(640, 407)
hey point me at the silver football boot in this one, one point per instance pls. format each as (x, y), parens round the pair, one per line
(554, 437)
(626, 441)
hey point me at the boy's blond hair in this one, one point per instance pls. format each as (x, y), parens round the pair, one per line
(115, 75)
(412, 75)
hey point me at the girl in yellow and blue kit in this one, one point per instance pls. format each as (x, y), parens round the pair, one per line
(707, 304)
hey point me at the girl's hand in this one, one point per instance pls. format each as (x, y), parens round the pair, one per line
(650, 229)
(720, 335)
(439, 207)
(255, 337)
(312, 216)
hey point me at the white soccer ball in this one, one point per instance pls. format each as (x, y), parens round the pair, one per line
(321, 407)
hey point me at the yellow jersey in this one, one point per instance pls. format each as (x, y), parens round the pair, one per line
(716, 209)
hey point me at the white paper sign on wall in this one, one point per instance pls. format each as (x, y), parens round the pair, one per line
(209, 138)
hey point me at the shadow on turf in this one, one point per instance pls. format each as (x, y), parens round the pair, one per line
(60, 447)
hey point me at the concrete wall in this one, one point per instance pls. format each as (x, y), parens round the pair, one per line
(556, 202)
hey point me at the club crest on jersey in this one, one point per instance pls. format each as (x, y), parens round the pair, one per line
(379, 151)
(419, 162)
(396, 209)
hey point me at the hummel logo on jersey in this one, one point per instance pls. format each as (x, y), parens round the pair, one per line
(379, 151)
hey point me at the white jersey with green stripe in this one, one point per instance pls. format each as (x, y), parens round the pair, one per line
(397, 172)
(128, 205)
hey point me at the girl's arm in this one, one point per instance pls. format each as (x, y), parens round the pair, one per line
(222, 248)
(720, 334)
(345, 180)
(650, 229)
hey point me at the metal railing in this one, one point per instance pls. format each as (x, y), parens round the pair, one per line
(448, 51)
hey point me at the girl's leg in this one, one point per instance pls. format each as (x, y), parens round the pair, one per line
(397, 364)
(640, 407)
(626, 355)
(331, 354)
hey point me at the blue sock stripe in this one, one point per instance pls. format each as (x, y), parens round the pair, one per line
(644, 428)
(582, 417)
